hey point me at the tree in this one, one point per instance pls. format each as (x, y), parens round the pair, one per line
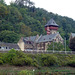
(24, 3)
(14, 16)
(6, 27)
(2, 2)
(3, 10)
(9, 36)
(26, 30)
(57, 46)
(72, 44)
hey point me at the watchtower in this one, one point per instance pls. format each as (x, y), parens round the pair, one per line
(51, 27)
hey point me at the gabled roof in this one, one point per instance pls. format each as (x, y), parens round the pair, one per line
(10, 45)
(51, 22)
(73, 35)
(46, 38)
(31, 38)
(41, 38)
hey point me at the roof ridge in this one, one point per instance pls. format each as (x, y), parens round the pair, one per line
(39, 38)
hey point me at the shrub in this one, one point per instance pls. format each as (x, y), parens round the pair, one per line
(20, 54)
(28, 61)
(35, 63)
(1, 62)
(71, 63)
(22, 61)
(63, 59)
(49, 60)
(18, 61)
(7, 58)
(24, 72)
(39, 73)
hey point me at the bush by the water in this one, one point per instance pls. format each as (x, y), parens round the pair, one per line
(22, 61)
(71, 63)
(25, 72)
(18, 58)
(49, 60)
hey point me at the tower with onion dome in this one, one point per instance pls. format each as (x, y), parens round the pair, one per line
(51, 27)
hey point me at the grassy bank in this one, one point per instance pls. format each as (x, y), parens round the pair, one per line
(20, 63)
(25, 70)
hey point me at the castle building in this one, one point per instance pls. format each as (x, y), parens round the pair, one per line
(41, 42)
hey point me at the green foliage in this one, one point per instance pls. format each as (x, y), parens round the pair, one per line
(49, 60)
(71, 63)
(18, 61)
(7, 58)
(25, 72)
(9, 36)
(63, 59)
(1, 58)
(1, 62)
(26, 30)
(18, 58)
(22, 3)
(27, 20)
(57, 46)
(3, 11)
(22, 61)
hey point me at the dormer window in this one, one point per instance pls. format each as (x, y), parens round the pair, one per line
(53, 22)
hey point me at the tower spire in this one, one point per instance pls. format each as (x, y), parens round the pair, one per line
(51, 27)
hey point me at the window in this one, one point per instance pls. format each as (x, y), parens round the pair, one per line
(29, 42)
(6, 47)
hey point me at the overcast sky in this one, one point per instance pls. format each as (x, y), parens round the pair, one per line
(60, 7)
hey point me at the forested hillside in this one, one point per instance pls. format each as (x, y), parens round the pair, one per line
(18, 20)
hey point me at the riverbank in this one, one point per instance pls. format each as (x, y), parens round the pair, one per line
(15, 70)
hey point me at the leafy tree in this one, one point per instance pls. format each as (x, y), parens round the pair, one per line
(2, 2)
(14, 16)
(57, 46)
(6, 27)
(24, 3)
(72, 44)
(7, 58)
(9, 36)
(26, 30)
(3, 10)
